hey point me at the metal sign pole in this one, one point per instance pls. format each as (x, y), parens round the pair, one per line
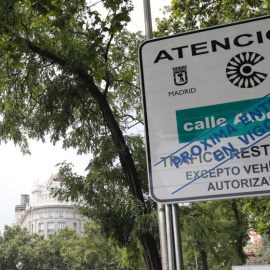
(160, 207)
(147, 19)
(170, 238)
(162, 236)
(177, 238)
(168, 216)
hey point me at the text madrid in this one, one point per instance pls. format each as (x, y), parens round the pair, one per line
(243, 40)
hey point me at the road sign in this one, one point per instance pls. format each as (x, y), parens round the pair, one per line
(207, 112)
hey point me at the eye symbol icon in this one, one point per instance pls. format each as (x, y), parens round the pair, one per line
(240, 70)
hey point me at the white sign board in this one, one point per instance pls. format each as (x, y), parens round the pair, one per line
(207, 112)
(251, 267)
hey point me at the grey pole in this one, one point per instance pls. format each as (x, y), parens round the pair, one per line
(160, 207)
(170, 246)
(147, 19)
(170, 239)
(162, 236)
(177, 238)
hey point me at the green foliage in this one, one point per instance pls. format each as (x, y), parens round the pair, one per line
(258, 210)
(132, 257)
(102, 198)
(191, 14)
(65, 250)
(91, 251)
(31, 251)
(69, 70)
(211, 227)
(45, 47)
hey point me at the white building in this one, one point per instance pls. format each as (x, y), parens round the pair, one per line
(43, 214)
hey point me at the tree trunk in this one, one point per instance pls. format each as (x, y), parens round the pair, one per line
(150, 252)
(125, 156)
(203, 256)
(204, 259)
(240, 237)
(148, 242)
(126, 159)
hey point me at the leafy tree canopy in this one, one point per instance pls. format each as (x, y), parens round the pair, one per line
(69, 70)
(49, 51)
(65, 250)
(191, 14)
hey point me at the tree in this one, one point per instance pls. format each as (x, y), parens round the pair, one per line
(191, 14)
(105, 200)
(68, 71)
(65, 250)
(214, 234)
(89, 251)
(10, 244)
(20, 250)
(257, 209)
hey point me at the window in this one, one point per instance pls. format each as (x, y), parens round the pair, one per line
(51, 214)
(75, 226)
(61, 214)
(41, 227)
(50, 227)
(60, 225)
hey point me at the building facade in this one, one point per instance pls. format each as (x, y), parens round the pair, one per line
(43, 214)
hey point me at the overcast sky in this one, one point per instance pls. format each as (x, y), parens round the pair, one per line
(18, 173)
